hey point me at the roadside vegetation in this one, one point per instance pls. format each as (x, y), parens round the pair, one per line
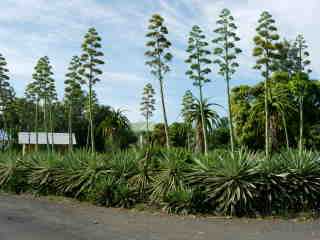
(261, 159)
(175, 180)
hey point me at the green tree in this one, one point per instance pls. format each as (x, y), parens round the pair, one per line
(114, 127)
(280, 107)
(159, 134)
(73, 96)
(147, 103)
(52, 99)
(90, 62)
(93, 101)
(226, 54)
(187, 103)
(158, 58)
(6, 91)
(44, 86)
(32, 96)
(199, 61)
(179, 134)
(285, 58)
(300, 81)
(211, 119)
(266, 44)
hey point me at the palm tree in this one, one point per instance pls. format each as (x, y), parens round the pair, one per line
(114, 124)
(210, 116)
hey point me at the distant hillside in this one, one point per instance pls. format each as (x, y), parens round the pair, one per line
(141, 126)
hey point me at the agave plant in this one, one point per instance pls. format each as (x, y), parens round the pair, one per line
(303, 180)
(12, 173)
(179, 202)
(170, 176)
(43, 169)
(229, 182)
(124, 196)
(142, 179)
(123, 165)
(272, 187)
(81, 172)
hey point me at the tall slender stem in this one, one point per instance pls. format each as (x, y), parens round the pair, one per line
(166, 127)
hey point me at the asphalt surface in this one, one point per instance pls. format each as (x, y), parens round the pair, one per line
(28, 218)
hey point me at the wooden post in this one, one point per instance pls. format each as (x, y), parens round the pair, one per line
(23, 149)
(141, 141)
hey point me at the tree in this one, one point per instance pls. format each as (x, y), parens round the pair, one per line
(159, 134)
(90, 62)
(32, 96)
(285, 58)
(115, 127)
(158, 58)
(52, 98)
(220, 135)
(44, 88)
(211, 119)
(147, 103)
(280, 108)
(187, 103)
(265, 52)
(198, 61)
(73, 93)
(226, 54)
(300, 79)
(6, 91)
(179, 134)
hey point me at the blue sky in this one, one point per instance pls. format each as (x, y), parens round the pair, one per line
(35, 28)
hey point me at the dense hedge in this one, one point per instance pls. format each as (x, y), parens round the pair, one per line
(175, 180)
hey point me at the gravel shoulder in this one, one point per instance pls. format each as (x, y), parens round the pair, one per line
(27, 218)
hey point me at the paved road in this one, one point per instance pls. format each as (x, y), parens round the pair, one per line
(25, 218)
